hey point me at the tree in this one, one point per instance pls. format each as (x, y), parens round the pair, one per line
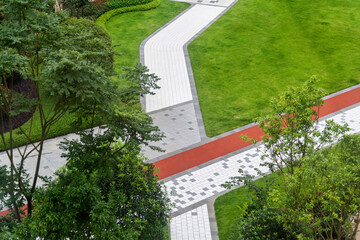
(65, 60)
(36, 46)
(324, 193)
(266, 224)
(105, 191)
(291, 128)
(319, 184)
(82, 8)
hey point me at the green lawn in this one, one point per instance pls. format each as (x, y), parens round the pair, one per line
(129, 30)
(259, 48)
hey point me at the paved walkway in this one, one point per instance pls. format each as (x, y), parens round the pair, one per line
(194, 166)
(164, 55)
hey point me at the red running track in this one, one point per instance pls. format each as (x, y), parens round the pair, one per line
(223, 146)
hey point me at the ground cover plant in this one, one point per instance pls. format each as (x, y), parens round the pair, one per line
(259, 48)
(232, 205)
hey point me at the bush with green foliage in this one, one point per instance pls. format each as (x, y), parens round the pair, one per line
(113, 4)
(93, 38)
(106, 16)
(69, 62)
(325, 191)
(265, 224)
(84, 8)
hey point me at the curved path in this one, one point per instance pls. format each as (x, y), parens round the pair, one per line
(194, 166)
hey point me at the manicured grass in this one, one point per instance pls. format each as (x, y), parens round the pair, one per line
(259, 48)
(230, 207)
(130, 29)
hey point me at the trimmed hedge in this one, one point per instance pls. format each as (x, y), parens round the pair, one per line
(113, 4)
(106, 16)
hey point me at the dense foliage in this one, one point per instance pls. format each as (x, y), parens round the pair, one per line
(69, 61)
(105, 191)
(317, 195)
(82, 8)
(264, 224)
(113, 4)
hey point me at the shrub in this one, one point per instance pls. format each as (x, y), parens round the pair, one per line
(113, 4)
(106, 16)
(265, 224)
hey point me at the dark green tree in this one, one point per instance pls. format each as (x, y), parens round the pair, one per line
(36, 45)
(68, 61)
(105, 191)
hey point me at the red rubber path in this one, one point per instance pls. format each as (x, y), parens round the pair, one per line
(223, 146)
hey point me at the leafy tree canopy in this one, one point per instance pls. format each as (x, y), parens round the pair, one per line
(105, 190)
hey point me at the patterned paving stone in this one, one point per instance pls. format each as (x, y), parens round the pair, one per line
(180, 126)
(192, 225)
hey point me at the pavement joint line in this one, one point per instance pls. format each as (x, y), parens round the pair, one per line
(210, 200)
(209, 4)
(146, 48)
(142, 46)
(341, 92)
(169, 154)
(253, 123)
(340, 111)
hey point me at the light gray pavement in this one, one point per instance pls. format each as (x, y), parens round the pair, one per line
(164, 56)
(51, 160)
(193, 224)
(174, 107)
(180, 126)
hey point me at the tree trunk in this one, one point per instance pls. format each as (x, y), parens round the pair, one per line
(58, 6)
